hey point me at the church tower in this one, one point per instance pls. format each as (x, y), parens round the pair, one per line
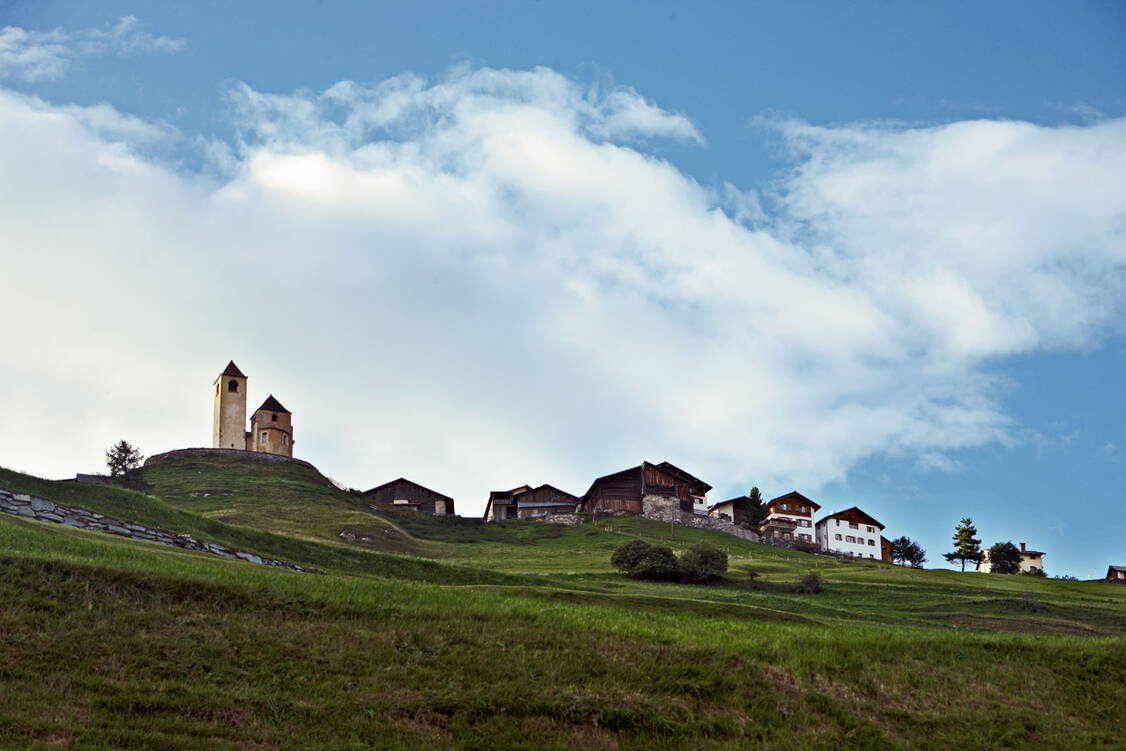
(271, 429)
(229, 424)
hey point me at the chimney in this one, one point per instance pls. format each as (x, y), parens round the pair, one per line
(1022, 547)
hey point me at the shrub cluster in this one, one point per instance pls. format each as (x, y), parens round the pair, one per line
(699, 564)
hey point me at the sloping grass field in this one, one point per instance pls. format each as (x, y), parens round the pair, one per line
(447, 633)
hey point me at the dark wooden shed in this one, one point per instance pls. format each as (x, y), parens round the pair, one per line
(406, 494)
(624, 490)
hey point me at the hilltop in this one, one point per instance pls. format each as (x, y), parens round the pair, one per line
(450, 633)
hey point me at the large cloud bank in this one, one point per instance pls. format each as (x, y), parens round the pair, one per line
(489, 279)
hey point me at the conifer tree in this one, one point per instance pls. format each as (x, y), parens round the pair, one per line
(122, 458)
(756, 512)
(966, 546)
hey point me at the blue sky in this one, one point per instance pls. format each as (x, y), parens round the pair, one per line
(876, 250)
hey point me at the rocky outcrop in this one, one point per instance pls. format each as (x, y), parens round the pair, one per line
(41, 509)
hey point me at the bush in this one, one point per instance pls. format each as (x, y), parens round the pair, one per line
(626, 557)
(657, 564)
(810, 584)
(703, 563)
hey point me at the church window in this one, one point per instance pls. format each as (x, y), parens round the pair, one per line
(232, 386)
(265, 437)
(273, 418)
(285, 439)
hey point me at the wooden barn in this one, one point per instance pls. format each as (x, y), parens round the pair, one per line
(623, 491)
(526, 502)
(408, 495)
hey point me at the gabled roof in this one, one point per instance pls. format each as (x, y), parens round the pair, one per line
(409, 482)
(232, 370)
(557, 490)
(1116, 568)
(730, 500)
(678, 471)
(796, 496)
(500, 495)
(856, 511)
(273, 405)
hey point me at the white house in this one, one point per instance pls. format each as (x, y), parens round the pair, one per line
(1029, 559)
(790, 516)
(851, 532)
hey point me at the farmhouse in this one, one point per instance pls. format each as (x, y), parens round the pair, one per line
(406, 494)
(1029, 560)
(851, 532)
(625, 490)
(526, 502)
(271, 425)
(789, 517)
(737, 510)
(1116, 574)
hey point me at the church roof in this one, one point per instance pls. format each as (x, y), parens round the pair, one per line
(273, 405)
(232, 370)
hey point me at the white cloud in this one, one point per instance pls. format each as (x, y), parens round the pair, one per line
(46, 55)
(485, 280)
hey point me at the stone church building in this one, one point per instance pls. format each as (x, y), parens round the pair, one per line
(271, 425)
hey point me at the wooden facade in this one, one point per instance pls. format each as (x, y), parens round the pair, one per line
(525, 502)
(624, 490)
(738, 510)
(405, 494)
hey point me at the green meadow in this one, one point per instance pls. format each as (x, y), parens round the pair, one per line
(450, 634)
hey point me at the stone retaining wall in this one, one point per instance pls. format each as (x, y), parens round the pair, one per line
(31, 507)
(661, 509)
(237, 453)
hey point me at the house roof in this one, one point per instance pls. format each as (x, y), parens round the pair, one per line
(273, 405)
(854, 511)
(232, 370)
(557, 490)
(1116, 568)
(409, 482)
(668, 467)
(795, 495)
(729, 500)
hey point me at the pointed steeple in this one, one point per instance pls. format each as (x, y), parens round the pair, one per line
(273, 405)
(232, 370)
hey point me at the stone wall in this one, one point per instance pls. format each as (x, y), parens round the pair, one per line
(661, 509)
(31, 507)
(237, 453)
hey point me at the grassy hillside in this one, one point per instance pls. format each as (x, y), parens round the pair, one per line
(108, 644)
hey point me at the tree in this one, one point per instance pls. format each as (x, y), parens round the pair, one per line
(966, 546)
(756, 514)
(626, 556)
(703, 563)
(658, 563)
(1004, 558)
(122, 458)
(906, 551)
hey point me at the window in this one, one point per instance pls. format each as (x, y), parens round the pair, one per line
(871, 542)
(871, 556)
(265, 436)
(801, 509)
(871, 529)
(232, 386)
(785, 507)
(274, 418)
(804, 537)
(850, 538)
(837, 536)
(285, 439)
(803, 522)
(853, 526)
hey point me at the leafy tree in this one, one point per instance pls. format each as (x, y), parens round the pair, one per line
(1004, 558)
(626, 556)
(907, 552)
(657, 564)
(703, 563)
(122, 458)
(756, 513)
(966, 546)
